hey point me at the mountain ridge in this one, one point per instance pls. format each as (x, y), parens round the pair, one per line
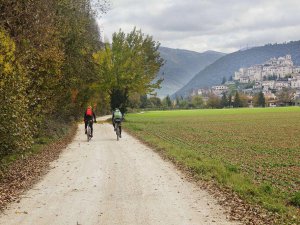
(180, 66)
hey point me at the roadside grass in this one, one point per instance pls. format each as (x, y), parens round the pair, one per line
(254, 152)
(54, 133)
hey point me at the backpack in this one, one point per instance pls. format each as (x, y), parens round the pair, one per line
(89, 112)
(118, 115)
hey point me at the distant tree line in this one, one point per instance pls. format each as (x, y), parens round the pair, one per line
(237, 100)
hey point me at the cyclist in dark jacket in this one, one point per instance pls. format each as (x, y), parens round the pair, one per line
(89, 115)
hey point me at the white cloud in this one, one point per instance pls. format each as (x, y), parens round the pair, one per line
(221, 25)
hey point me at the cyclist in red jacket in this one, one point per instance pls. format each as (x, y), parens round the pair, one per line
(89, 115)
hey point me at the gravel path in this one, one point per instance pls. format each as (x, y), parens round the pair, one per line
(108, 182)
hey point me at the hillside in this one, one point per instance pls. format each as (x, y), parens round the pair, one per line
(181, 66)
(228, 64)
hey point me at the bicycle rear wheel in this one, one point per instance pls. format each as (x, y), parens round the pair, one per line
(88, 133)
(118, 131)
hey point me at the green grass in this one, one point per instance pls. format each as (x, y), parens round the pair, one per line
(296, 199)
(255, 152)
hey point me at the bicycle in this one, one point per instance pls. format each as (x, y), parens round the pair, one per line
(89, 130)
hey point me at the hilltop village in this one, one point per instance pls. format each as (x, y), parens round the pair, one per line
(277, 76)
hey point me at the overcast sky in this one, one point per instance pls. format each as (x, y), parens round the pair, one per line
(201, 25)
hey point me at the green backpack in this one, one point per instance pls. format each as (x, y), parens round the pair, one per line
(118, 115)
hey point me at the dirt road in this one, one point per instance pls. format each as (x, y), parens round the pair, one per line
(108, 182)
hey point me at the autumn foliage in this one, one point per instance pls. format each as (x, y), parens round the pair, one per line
(46, 66)
(15, 121)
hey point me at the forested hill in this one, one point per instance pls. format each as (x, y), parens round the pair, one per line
(228, 64)
(181, 66)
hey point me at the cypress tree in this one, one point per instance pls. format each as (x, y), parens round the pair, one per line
(237, 101)
(261, 99)
(224, 101)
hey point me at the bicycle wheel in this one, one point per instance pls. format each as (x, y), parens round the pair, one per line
(88, 133)
(118, 132)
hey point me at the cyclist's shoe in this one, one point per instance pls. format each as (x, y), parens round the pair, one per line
(85, 132)
(120, 135)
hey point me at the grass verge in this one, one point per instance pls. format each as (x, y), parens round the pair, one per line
(54, 132)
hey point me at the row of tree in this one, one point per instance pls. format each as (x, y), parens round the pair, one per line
(211, 101)
(46, 65)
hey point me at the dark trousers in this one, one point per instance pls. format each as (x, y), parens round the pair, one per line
(86, 124)
(119, 122)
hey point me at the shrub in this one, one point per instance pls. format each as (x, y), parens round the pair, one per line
(15, 129)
